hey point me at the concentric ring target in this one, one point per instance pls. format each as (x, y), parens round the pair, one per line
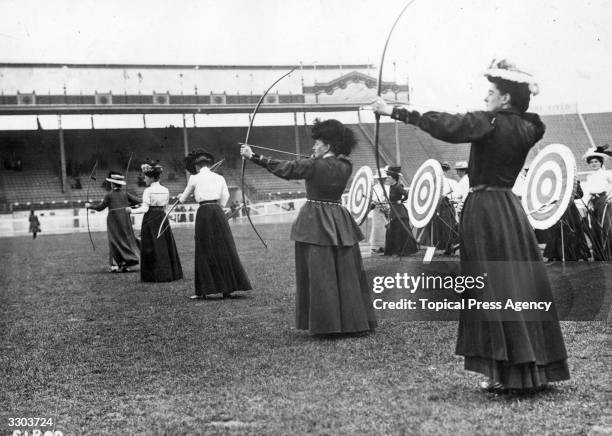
(550, 185)
(425, 193)
(360, 194)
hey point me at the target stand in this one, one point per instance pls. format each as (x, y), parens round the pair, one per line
(550, 186)
(424, 197)
(359, 200)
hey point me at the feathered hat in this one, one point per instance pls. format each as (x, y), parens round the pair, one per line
(506, 70)
(600, 151)
(151, 168)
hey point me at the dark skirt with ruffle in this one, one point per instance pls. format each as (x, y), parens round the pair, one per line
(218, 269)
(159, 259)
(523, 351)
(444, 224)
(572, 242)
(124, 248)
(599, 227)
(332, 294)
(398, 239)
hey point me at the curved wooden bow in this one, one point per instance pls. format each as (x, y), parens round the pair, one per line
(91, 177)
(246, 141)
(377, 116)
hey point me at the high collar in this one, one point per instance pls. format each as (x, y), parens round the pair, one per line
(204, 170)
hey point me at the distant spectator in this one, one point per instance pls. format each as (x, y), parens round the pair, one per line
(34, 224)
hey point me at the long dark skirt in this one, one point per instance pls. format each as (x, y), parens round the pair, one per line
(574, 242)
(599, 227)
(525, 352)
(332, 290)
(218, 269)
(159, 259)
(124, 248)
(397, 239)
(444, 225)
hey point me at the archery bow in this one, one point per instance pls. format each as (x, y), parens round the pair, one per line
(91, 177)
(246, 141)
(377, 117)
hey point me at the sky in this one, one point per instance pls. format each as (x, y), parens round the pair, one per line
(441, 46)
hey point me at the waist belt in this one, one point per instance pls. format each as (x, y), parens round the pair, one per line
(336, 202)
(479, 188)
(209, 202)
(157, 207)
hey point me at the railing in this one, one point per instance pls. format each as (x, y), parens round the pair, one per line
(62, 221)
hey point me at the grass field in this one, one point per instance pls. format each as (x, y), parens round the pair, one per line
(105, 354)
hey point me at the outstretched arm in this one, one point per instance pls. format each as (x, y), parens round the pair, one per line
(285, 169)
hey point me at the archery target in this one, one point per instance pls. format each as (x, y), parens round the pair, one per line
(360, 194)
(425, 193)
(550, 185)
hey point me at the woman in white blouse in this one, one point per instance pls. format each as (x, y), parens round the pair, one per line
(597, 192)
(159, 259)
(218, 269)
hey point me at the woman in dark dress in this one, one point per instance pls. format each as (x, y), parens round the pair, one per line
(218, 269)
(159, 259)
(332, 292)
(123, 246)
(573, 242)
(515, 350)
(34, 224)
(398, 239)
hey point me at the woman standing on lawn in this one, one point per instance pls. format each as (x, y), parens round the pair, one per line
(122, 243)
(218, 269)
(332, 292)
(513, 350)
(159, 259)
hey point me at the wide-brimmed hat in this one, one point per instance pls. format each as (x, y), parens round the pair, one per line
(507, 70)
(599, 151)
(461, 165)
(393, 171)
(198, 157)
(116, 178)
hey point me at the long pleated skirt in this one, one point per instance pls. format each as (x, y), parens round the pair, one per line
(124, 248)
(218, 269)
(523, 352)
(599, 227)
(332, 290)
(159, 258)
(398, 239)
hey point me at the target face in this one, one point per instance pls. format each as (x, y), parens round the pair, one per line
(425, 193)
(550, 185)
(360, 194)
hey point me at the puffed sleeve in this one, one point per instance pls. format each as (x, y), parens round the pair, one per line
(453, 128)
(286, 169)
(146, 202)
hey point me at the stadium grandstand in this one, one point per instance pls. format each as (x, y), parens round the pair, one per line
(52, 134)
